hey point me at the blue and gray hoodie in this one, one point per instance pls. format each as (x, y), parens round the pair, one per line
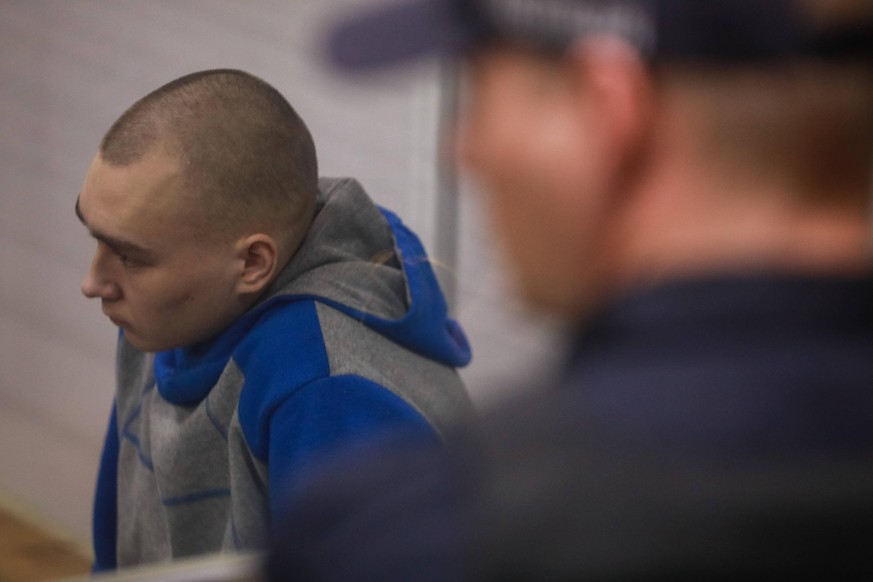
(351, 340)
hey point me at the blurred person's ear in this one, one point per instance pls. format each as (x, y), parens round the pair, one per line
(616, 86)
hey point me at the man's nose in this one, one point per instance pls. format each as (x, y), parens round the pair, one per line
(97, 284)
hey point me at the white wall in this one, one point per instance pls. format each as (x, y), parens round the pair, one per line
(68, 68)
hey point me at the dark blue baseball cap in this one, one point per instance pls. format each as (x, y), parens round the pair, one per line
(661, 30)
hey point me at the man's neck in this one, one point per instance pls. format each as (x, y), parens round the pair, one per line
(697, 222)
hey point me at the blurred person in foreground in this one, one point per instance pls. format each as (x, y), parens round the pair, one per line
(266, 318)
(688, 182)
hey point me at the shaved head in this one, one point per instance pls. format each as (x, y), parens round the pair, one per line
(248, 160)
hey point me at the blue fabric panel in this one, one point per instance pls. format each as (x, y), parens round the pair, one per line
(330, 416)
(195, 497)
(426, 328)
(292, 412)
(186, 375)
(106, 501)
(285, 351)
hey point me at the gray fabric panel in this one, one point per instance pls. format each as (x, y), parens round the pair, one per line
(433, 389)
(135, 373)
(249, 525)
(348, 255)
(199, 455)
(138, 540)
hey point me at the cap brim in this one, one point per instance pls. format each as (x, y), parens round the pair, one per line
(394, 34)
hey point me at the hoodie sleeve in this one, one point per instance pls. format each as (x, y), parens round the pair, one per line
(328, 416)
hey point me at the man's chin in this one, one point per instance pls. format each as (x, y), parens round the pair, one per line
(151, 345)
(144, 344)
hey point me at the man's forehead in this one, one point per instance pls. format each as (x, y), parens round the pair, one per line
(120, 243)
(136, 203)
(148, 183)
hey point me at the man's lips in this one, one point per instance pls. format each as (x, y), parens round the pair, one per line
(116, 320)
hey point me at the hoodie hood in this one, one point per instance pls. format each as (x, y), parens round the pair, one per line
(363, 261)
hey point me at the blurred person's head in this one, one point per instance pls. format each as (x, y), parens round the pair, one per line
(198, 196)
(622, 141)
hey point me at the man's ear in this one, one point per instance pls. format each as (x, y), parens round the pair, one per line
(259, 254)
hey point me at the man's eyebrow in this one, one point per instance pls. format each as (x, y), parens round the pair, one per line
(116, 244)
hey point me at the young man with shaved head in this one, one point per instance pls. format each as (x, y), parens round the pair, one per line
(687, 182)
(266, 318)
